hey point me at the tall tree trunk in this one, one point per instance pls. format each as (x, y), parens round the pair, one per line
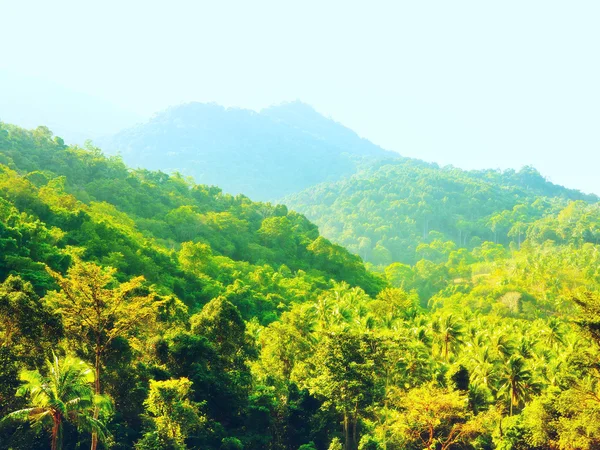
(512, 399)
(97, 392)
(346, 432)
(354, 426)
(55, 432)
(446, 348)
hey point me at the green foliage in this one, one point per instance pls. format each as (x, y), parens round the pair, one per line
(171, 413)
(368, 443)
(590, 314)
(309, 446)
(215, 322)
(336, 444)
(64, 394)
(26, 324)
(408, 210)
(221, 323)
(231, 443)
(54, 196)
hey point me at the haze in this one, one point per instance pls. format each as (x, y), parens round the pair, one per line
(469, 83)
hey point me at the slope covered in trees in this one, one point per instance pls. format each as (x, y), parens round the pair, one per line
(397, 210)
(149, 223)
(140, 310)
(191, 243)
(265, 155)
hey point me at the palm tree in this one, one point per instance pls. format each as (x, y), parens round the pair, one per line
(65, 394)
(484, 368)
(518, 382)
(322, 310)
(449, 331)
(502, 343)
(554, 334)
(365, 323)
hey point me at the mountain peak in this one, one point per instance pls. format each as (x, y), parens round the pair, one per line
(293, 106)
(266, 154)
(191, 110)
(298, 113)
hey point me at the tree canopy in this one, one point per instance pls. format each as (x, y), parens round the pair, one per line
(209, 321)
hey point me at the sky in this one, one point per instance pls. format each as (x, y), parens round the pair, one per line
(475, 84)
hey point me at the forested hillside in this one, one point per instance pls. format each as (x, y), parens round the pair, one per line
(265, 155)
(394, 211)
(142, 310)
(137, 221)
(65, 207)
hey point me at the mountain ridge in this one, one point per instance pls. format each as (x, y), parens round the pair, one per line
(386, 211)
(265, 155)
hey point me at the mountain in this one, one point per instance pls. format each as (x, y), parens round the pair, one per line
(74, 116)
(265, 155)
(391, 211)
(204, 320)
(135, 220)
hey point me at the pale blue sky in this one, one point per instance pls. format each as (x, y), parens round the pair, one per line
(471, 83)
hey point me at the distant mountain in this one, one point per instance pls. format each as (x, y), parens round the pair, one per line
(74, 116)
(267, 155)
(401, 210)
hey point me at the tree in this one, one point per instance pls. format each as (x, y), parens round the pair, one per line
(589, 318)
(222, 324)
(432, 417)
(368, 442)
(345, 364)
(171, 413)
(283, 344)
(196, 258)
(399, 275)
(96, 310)
(449, 331)
(335, 444)
(517, 381)
(276, 233)
(65, 394)
(24, 320)
(231, 443)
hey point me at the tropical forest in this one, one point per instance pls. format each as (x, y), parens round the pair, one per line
(263, 277)
(143, 310)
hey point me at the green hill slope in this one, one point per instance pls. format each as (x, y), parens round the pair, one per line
(214, 322)
(143, 223)
(385, 212)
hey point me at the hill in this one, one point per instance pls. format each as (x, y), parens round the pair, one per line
(385, 212)
(140, 221)
(281, 150)
(175, 316)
